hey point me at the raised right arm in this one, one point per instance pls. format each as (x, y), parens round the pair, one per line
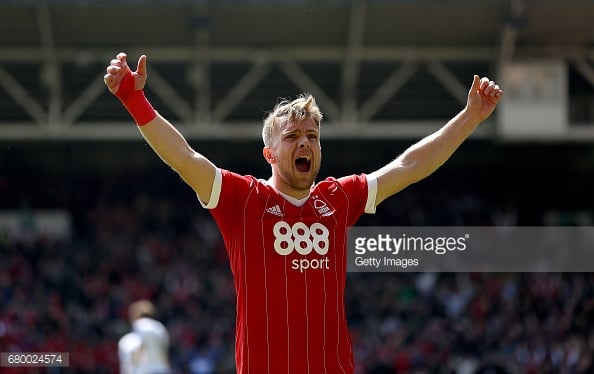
(195, 169)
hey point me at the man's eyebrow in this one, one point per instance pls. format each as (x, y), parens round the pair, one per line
(284, 131)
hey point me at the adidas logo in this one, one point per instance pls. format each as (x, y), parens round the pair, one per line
(276, 210)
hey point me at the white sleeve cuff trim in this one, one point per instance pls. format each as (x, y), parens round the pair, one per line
(215, 192)
(371, 194)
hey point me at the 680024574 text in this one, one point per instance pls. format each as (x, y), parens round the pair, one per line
(34, 359)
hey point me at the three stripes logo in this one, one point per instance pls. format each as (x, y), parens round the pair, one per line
(276, 210)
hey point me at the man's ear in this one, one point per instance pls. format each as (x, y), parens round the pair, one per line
(267, 152)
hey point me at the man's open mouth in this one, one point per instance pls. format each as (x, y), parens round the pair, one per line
(303, 163)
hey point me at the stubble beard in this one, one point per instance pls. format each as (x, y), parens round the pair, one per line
(299, 183)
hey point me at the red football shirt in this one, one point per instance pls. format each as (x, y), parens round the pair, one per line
(288, 260)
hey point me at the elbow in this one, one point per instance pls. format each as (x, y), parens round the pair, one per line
(421, 169)
(183, 163)
(414, 171)
(418, 174)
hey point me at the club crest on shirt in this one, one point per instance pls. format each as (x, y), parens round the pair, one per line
(322, 207)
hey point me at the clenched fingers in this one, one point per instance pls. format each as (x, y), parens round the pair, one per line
(115, 71)
(489, 88)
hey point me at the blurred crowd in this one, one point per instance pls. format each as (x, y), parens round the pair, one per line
(71, 295)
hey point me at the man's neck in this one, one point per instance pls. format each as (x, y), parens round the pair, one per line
(286, 191)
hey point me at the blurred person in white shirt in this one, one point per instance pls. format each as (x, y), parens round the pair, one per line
(145, 349)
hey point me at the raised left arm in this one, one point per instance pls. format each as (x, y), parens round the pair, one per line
(428, 154)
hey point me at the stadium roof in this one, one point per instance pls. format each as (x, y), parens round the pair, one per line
(377, 68)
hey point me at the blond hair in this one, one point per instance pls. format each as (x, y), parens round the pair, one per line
(141, 309)
(297, 110)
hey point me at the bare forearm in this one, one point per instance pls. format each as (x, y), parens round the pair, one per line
(431, 152)
(427, 155)
(195, 169)
(424, 157)
(167, 142)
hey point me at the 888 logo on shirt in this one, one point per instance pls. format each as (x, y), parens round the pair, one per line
(304, 240)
